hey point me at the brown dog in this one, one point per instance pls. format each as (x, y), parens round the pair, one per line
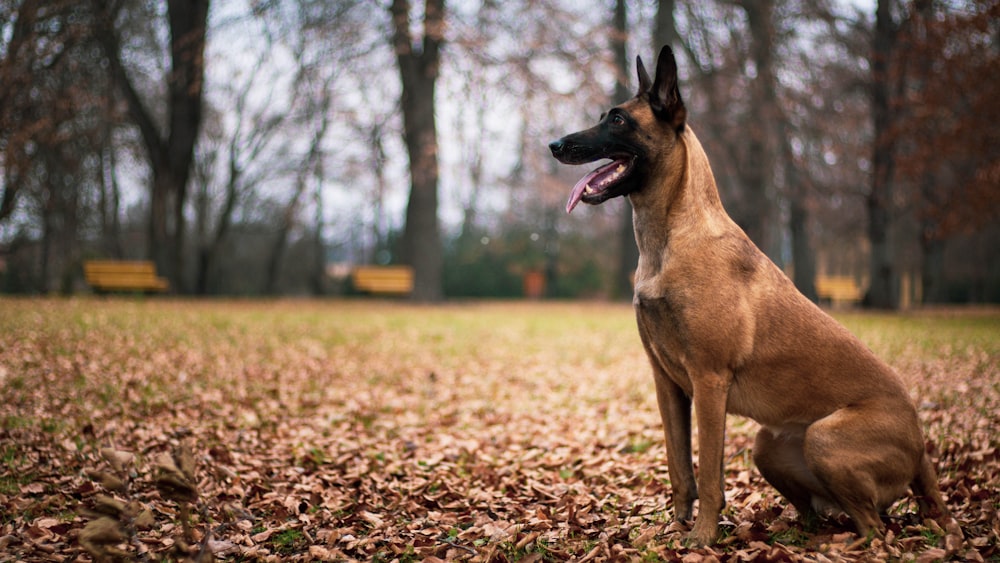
(724, 327)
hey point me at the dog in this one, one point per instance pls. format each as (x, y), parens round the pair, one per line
(724, 328)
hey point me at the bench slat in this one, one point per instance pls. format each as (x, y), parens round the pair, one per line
(112, 266)
(396, 280)
(125, 281)
(838, 288)
(119, 275)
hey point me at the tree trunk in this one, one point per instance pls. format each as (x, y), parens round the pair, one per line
(281, 240)
(933, 289)
(419, 69)
(15, 75)
(208, 251)
(109, 198)
(629, 253)
(318, 278)
(170, 153)
(803, 257)
(46, 258)
(550, 238)
(379, 235)
(158, 232)
(881, 291)
(69, 239)
(188, 26)
(758, 174)
(664, 26)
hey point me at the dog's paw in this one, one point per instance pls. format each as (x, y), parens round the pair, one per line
(704, 534)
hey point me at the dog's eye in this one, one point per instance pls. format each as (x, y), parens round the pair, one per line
(617, 119)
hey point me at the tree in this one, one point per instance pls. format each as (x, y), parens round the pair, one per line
(664, 25)
(803, 255)
(311, 167)
(713, 43)
(255, 132)
(16, 73)
(882, 290)
(795, 187)
(169, 148)
(54, 122)
(419, 68)
(825, 140)
(628, 257)
(759, 167)
(948, 160)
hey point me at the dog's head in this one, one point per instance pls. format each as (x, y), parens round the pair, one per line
(634, 135)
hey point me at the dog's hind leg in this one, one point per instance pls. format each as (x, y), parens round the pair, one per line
(781, 460)
(865, 458)
(929, 499)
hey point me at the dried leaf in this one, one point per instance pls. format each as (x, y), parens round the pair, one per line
(102, 531)
(185, 461)
(117, 459)
(108, 481)
(931, 555)
(145, 520)
(108, 505)
(172, 483)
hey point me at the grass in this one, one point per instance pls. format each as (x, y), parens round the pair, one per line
(458, 421)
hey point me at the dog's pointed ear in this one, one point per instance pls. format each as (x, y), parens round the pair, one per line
(665, 95)
(644, 82)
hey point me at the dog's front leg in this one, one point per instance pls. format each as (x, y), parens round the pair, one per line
(675, 411)
(710, 395)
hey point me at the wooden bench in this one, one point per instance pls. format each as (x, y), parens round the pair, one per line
(386, 280)
(123, 275)
(838, 290)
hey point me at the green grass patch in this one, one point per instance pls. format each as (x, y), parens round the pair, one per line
(288, 541)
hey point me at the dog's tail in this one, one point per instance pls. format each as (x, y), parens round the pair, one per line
(932, 505)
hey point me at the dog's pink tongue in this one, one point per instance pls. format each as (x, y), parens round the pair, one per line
(578, 189)
(596, 179)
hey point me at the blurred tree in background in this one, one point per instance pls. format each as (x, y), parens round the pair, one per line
(949, 160)
(419, 61)
(56, 123)
(169, 118)
(263, 148)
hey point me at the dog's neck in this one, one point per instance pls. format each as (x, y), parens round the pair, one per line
(685, 204)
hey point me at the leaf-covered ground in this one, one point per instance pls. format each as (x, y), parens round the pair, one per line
(318, 430)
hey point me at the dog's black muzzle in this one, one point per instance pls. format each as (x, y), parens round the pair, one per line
(577, 148)
(558, 148)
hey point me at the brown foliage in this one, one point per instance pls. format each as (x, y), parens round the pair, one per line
(352, 431)
(950, 160)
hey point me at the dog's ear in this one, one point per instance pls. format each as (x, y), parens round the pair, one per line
(644, 82)
(664, 95)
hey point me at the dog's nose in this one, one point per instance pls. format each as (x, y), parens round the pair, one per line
(556, 146)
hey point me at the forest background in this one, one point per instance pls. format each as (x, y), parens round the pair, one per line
(266, 146)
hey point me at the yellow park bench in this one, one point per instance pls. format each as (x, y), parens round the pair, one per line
(123, 275)
(838, 289)
(385, 280)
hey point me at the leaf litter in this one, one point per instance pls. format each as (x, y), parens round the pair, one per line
(369, 431)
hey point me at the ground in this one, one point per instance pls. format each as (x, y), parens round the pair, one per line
(161, 429)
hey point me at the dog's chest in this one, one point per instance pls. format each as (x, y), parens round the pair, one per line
(665, 336)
